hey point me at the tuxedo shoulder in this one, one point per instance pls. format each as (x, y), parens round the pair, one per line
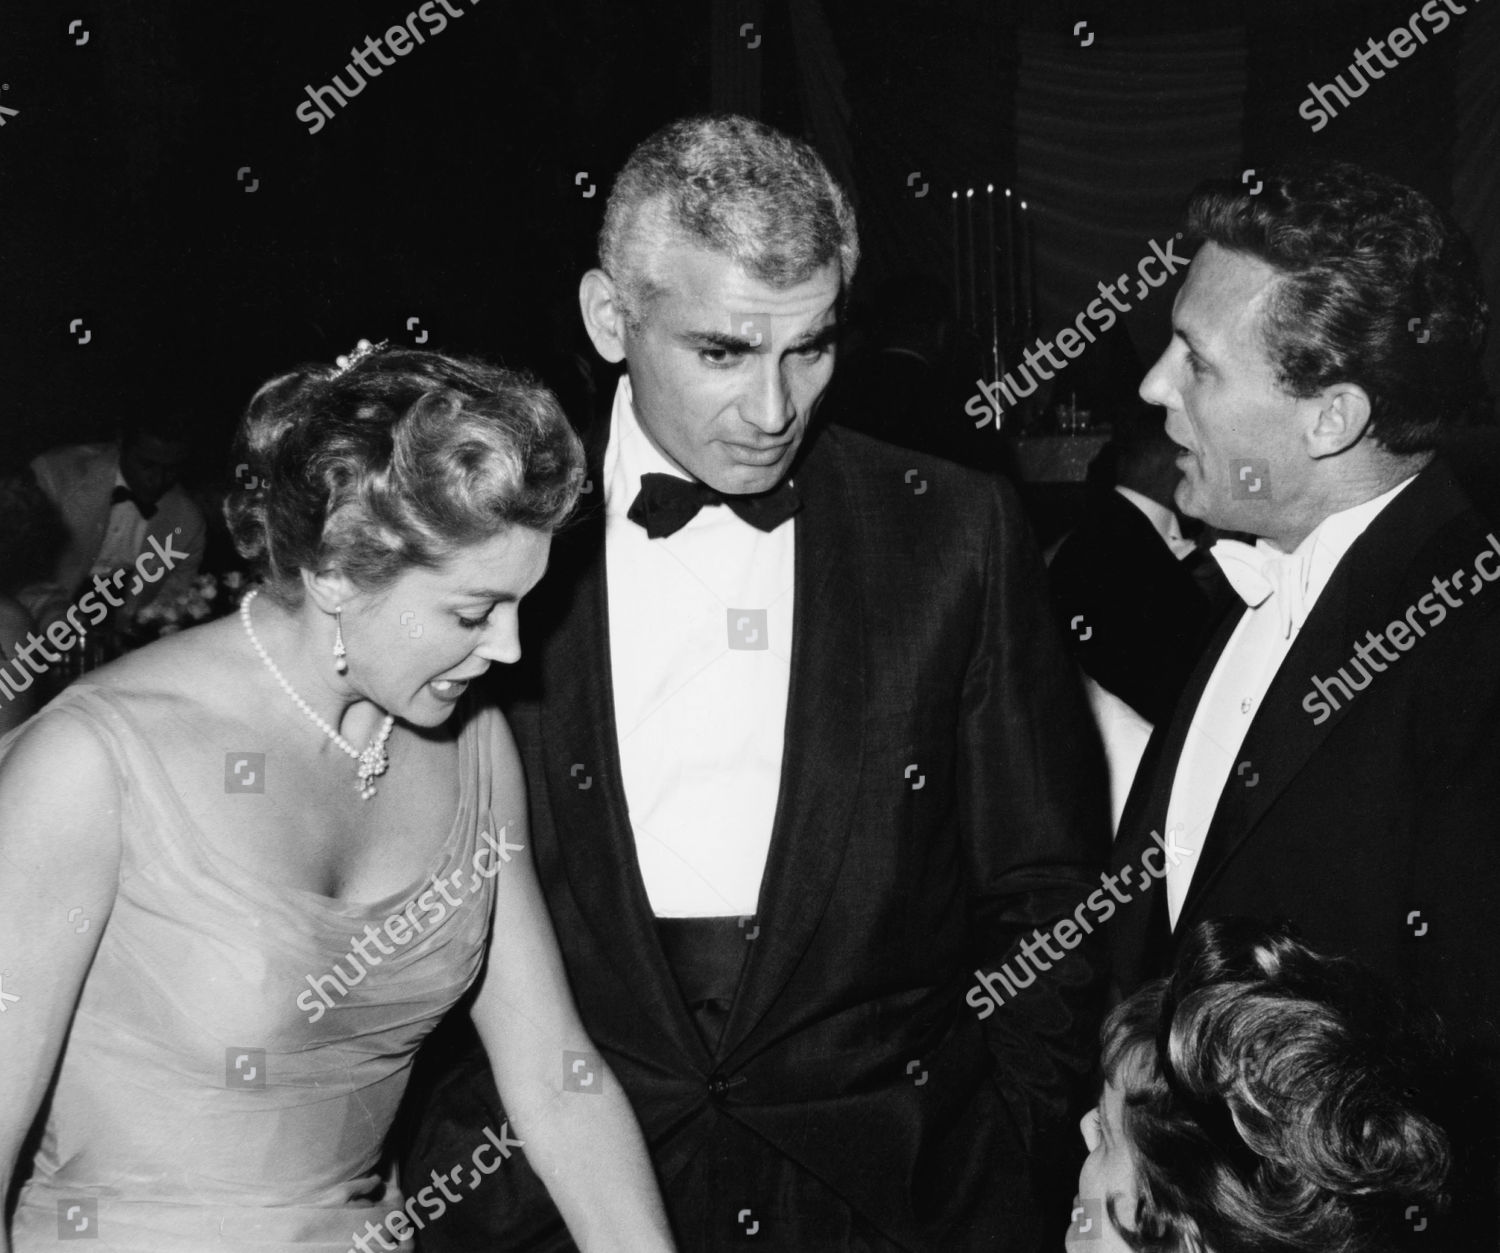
(868, 462)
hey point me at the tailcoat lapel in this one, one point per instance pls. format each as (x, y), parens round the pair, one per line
(1379, 579)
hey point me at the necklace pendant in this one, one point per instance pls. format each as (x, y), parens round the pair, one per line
(373, 761)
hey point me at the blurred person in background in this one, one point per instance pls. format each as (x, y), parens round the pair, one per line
(121, 500)
(1127, 571)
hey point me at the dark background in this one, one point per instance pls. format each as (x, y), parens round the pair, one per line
(446, 190)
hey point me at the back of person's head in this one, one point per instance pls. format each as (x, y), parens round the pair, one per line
(1276, 1100)
(396, 461)
(1377, 288)
(728, 185)
(1139, 455)
(160, 424)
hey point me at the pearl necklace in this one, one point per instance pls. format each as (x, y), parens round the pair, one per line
(373, 762)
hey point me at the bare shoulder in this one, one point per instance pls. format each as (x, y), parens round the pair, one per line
(185, 678)
(60, 798)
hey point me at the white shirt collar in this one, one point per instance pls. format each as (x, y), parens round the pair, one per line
(1325, 546)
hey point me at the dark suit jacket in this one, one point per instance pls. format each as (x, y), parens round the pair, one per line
(1373, 827)
(942, 796)
(1144, 617)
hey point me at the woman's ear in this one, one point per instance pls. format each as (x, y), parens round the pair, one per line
(328, 589)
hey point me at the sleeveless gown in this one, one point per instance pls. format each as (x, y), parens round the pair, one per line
(233, 1067)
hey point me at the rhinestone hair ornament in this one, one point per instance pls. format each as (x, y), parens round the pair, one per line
(347, 361)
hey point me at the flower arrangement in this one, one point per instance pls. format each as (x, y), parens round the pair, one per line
(207, 597)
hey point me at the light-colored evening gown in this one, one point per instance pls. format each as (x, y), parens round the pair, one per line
(196, 1106)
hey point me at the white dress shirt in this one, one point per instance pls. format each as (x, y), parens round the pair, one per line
(124, 536)
(700, 639)
(1239, 682)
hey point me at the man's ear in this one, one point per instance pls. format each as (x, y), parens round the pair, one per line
(328, 589)
(603, 318)
(1342, 414)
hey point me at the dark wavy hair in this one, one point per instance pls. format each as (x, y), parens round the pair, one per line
(1378, 288)
(1276, 1100)
(395, 463)
(731, 185)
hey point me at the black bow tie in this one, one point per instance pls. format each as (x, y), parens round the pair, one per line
(123, 494)
(665, 504)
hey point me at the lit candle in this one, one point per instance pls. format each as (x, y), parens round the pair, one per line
(969, 241)
(1010, 261)
(989, 193)
(958, 311)
(1028, 268)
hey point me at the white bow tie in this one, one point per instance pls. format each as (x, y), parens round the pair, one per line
(1259, 574)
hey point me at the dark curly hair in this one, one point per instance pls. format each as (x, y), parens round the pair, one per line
(1276, 1100)
(396, 462)
(1378, 288)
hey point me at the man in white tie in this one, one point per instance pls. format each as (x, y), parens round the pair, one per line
(1335, 758)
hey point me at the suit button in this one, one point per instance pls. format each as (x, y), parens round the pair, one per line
(718, 1085)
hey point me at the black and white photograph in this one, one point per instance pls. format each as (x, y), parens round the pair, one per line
(796, 625)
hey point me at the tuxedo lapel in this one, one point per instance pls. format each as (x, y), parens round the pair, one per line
(581, 760)
(1378, 580)
(821, 757)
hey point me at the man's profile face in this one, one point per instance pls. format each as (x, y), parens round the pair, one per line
(1241, 446)
(726, 372)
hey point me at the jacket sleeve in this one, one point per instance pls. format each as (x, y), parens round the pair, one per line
(1034, 807)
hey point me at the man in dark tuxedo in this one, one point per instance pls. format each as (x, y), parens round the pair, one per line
(806, 755)
(1335, 758)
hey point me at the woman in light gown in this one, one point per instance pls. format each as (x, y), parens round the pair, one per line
(245, 870)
